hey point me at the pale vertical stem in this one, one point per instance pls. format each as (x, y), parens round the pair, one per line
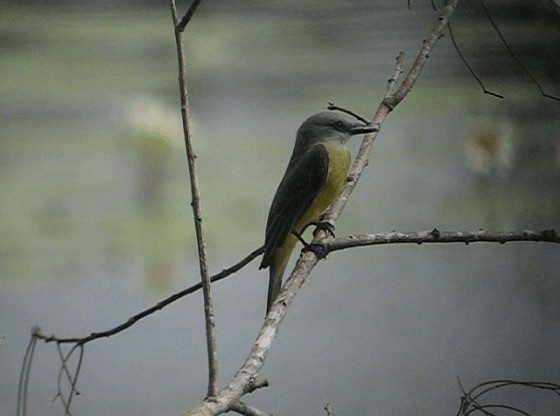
(197, 212)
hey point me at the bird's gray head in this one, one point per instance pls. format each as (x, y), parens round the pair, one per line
(329, 126)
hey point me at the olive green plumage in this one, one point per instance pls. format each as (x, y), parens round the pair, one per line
(314, 177)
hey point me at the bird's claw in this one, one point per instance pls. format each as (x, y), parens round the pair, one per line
(319, 249)
(325, 226)
(321, 225)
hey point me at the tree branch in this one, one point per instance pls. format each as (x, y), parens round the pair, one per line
(436, 236)
(390, 101)
(195, 193)
(149, 311)
(180, 27)
(307, 261)
(246, 410)
(244, 381)
(422, 57)
(514, 55)
(341, 243)
(470, 400)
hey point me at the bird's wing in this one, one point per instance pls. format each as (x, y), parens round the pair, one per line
(297, 191)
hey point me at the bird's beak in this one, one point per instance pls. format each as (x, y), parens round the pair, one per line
(361, 128)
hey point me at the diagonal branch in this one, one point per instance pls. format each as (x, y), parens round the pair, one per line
(151, 310)
(514, 55)
(469, 67)
(196, 206)
(307, 261)
(390, 101)
(180, 27)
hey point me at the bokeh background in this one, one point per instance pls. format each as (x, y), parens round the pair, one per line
(95, 222)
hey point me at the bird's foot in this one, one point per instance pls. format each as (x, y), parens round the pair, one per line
(300, 238)
(319, 249)
(326, 227)
(321, 225)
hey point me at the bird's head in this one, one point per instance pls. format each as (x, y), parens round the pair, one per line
(329, 126)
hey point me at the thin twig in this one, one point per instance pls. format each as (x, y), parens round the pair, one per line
(391, 82)
(498, 406)
(497, 384)
(514, 55)
(196, 205)
(332, 106)
(467, 65)
(429, 43)
(385, 107)
(188, 16)
(470, 402)
(21, 407)
(63, 370)
(149, 311)
(74, 380)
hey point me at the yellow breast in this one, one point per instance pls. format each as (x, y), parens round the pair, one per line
(339, 163)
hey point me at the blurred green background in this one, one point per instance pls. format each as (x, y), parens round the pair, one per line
(95, 222)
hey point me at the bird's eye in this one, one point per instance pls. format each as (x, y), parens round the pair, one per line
(339, 125)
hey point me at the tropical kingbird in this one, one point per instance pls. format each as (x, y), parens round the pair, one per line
(314, 177)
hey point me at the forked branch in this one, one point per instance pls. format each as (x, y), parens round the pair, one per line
(236, 388)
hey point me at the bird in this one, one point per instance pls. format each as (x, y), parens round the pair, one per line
(314, 177)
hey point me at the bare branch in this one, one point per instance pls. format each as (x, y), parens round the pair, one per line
(436, 236)
(180, 27)
(487, 386)
(245, 381)
(467, 65)
(238, 386)
(470, 401)
(196, 205)
(386, 106)
(307, 261)
(422, 57)
(21, 409)
(80, 343)
(246, 410)
(333, 106)
(149, 311)
(514, 55)
(72, 379)
(391, 82)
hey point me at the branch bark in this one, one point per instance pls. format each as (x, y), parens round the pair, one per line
(307, 261)
(178, 28)
(341, 243)
(436, 236)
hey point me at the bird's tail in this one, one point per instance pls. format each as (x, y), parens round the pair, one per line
(277, 267)
(274, 285)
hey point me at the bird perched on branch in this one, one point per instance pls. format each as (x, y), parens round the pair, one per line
(315, 175)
